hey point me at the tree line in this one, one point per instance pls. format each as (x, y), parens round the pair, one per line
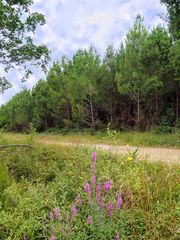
(134, 86)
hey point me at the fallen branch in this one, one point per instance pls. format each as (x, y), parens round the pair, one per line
(15, 145)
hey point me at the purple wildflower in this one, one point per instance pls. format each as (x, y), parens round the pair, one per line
(117, 237)
(87, 187)
(93, 156)
(24, 238)
(79, 200)
(107, 186)
(119, 200)
(52, 237)
(93, 168)
(51, 215)
(102, 205)
(58, 214)
(89, 219)
(74, 210)
(93, 180)
(110, 209)
(98, 192)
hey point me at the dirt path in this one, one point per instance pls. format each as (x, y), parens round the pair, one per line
(168, 155)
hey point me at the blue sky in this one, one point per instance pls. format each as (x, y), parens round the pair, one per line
(74, 24)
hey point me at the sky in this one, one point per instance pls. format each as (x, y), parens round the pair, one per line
(74, 24)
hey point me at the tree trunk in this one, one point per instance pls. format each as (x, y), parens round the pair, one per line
(157, 107)
(15, 145)
(138, 111)
(92, 111)
(68, 111)
(111, 110)
(45, 123)
(177, 101)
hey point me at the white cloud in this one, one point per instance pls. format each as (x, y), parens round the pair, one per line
(74, 24)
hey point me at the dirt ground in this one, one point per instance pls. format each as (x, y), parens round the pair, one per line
(168, 155)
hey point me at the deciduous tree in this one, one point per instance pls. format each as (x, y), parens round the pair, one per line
(18, 50)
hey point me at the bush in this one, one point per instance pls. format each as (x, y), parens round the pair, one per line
(164, 127)
(25, 210)
(177, 126)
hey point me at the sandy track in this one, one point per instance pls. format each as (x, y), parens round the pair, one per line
(168, 155)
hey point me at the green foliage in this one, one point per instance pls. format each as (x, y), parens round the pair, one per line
(4, 177)
(17, 23)
(165, 125)
(16, 114)
(163, 128)
(177, 127)
(31, 135)
(49, 177)
(173, 20)
(107, 85)
(131, 87)
(25, 208)
(112, 134)
(173, 17)
(130, 79)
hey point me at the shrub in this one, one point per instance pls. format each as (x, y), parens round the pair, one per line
(165, 126)
(25, 210)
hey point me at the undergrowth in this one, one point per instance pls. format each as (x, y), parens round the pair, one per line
(35, 182)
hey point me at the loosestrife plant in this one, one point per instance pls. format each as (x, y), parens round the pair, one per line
(94, 212)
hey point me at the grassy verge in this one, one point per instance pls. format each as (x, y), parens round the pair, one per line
(146, 139)
(131, 138)
(35, 182)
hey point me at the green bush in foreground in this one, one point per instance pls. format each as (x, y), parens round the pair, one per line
(49, 178)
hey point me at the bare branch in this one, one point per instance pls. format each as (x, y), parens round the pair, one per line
(15, 145)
